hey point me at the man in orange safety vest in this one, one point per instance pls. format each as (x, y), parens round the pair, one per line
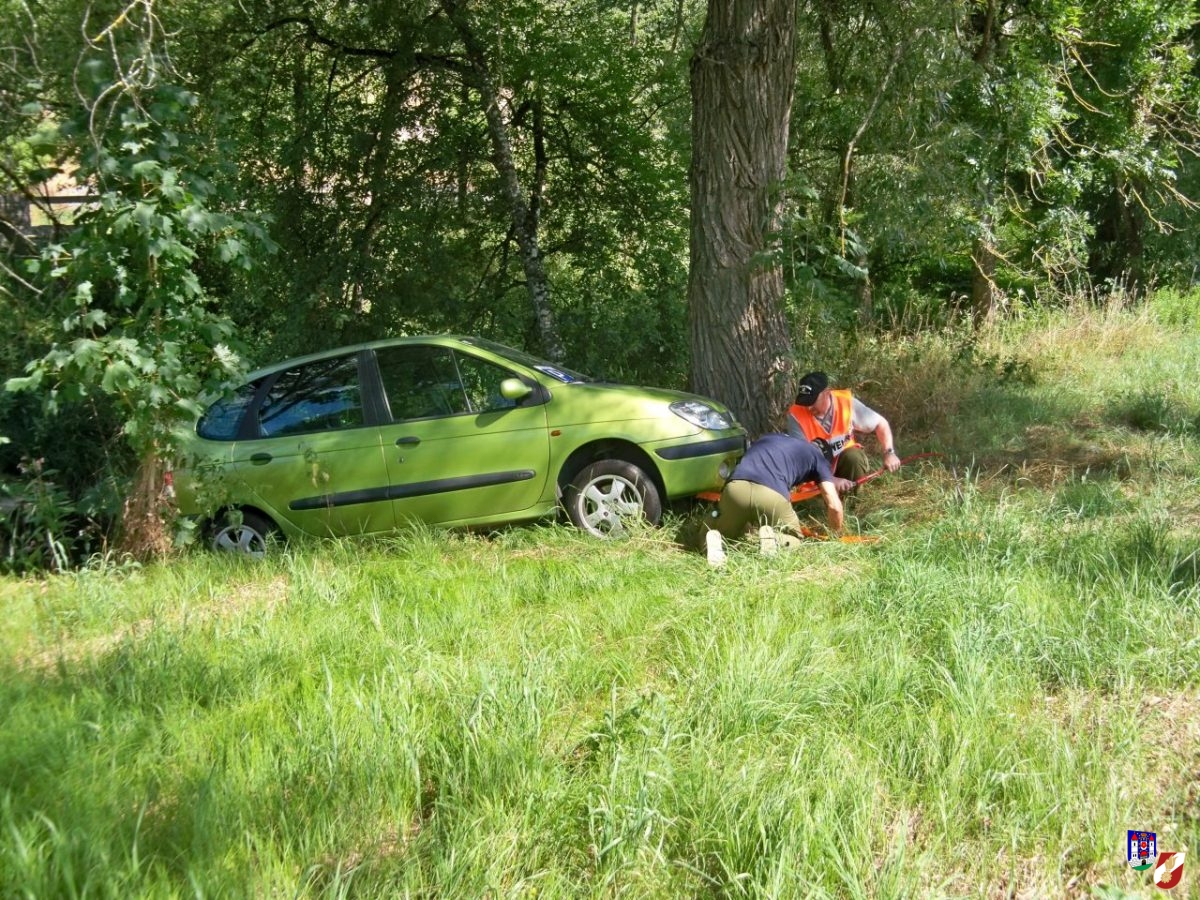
(833, 417)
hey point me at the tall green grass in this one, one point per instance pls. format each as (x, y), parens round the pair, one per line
(978, 704)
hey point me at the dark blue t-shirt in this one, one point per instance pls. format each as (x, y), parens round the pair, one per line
(779, 461)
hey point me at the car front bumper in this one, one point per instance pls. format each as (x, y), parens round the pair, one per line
(695, 466)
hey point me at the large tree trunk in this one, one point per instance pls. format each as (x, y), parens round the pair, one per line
(742, 83)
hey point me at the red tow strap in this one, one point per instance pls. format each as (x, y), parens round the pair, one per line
(809, 489)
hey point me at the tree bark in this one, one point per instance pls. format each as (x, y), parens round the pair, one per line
(742, 86)
(1117, 252)
(985, 294)
(144, 533)
(984, 23)
(524, 212)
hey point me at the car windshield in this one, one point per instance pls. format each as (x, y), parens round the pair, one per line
(558, 373)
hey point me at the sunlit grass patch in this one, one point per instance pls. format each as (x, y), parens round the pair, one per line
(978, 703)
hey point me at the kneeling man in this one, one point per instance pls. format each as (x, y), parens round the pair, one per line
(759, 493)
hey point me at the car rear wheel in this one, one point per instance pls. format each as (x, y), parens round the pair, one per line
(244, 534)
(609, 495)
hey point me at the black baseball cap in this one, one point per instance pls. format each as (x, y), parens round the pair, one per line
(810, 388)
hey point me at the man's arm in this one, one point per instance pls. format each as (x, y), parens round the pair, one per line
(863, 418)
(883, 434)
(833, 506)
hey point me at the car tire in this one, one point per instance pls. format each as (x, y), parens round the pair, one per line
(244, 533)
(608, 495)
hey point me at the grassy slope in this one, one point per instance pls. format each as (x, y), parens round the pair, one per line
(981, 703)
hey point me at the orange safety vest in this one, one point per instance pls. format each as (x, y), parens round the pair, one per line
(840, 435)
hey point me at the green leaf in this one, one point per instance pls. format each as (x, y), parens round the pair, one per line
(117, 377)
(191, 407)
(146, 215)
(848, 268)
(28, 383)
(146, 168)
(84, 352)
(94, 318)
(231, 249)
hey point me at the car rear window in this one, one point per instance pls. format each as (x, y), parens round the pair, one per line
(222, 421)
(318, 396)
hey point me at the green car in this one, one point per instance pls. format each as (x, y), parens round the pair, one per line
(444, 430)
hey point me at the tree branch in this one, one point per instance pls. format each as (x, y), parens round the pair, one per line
(314, 34)
(862, 128)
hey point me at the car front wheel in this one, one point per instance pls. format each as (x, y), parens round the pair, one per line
(243, 533)
(611, 494)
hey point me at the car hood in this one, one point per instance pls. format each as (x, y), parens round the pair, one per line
(594, 402)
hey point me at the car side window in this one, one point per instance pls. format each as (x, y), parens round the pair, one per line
(420, 382)
(481, 379)
(318, 396)
(222, 421)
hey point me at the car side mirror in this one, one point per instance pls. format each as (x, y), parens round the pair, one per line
(514, 389)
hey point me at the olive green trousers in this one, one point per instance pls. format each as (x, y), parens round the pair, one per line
(852, 464)
(744, 507)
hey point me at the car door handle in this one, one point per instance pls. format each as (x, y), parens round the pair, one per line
(410, 441)
(261, 459)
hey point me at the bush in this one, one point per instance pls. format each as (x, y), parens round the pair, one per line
(43, 528)
(1158, 409)
(1172, 306)
(34, 523)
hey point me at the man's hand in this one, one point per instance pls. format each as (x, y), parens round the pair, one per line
(833, 505)
(891, 461)
(843, 485)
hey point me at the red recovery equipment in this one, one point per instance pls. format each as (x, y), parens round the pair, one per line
(809, 489)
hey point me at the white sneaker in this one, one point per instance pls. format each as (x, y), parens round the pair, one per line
(716, 548)
(768, 544)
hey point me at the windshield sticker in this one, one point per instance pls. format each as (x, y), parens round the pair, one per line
(564, 377)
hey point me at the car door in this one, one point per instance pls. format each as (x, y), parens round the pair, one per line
(316, 460)
(456, 449)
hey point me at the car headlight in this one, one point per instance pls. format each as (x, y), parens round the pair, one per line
(702, 415)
